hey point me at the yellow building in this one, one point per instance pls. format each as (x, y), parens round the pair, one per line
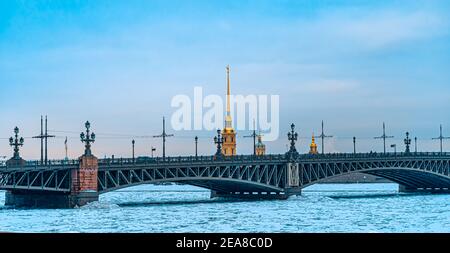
(313, 146)
(228, 133)
(260, 147)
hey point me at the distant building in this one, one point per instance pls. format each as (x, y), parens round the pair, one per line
(313, 146)
(260, 147)
(228, 133)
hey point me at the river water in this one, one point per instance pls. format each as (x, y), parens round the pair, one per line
(339, 208)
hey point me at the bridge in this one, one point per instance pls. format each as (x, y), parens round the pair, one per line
(70, 183)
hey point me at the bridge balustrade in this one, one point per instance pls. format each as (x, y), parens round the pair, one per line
(187, 159)
(371, 155)
(238, 158)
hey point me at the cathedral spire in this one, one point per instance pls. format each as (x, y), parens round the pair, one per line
(228, 133)
(228, 91)
(228, 120)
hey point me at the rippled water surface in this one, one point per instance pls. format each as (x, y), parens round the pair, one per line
(181, 208)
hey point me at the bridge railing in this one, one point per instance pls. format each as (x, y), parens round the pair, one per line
(374, 155)
(238, 158)
(188, 159)
(50, 164)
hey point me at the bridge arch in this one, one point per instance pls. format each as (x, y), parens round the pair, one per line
(214, 184)
(227, 177)
(410, 177)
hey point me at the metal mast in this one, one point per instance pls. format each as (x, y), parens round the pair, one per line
(44, 141)
(164, 135)
(384, 137)
(323, 136)
(254, 135)
(441, 138)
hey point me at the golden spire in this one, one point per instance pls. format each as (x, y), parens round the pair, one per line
(228, 120)
(228, 90)
(228, 133)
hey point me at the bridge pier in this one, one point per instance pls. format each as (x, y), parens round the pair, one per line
(84, 184)
(84, 189)
(44, 199)
(405, 189)
(257, 195)
(251, 195)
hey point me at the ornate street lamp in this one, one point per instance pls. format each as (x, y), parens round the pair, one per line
(218, 140)
(87, 138)
(292, 137)
(407, 143)
(16, 142)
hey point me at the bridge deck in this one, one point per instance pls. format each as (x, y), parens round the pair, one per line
(246, 172)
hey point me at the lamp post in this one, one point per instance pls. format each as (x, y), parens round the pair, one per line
(132, 143)
(196, 147)
(87, 138)
(292, 137)
(218, 140)
(354, 145)
(407, 143)
(16, 142)
(415, 145)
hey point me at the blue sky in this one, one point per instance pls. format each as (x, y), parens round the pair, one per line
(118, 64)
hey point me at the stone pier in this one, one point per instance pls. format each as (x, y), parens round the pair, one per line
(84, 190)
